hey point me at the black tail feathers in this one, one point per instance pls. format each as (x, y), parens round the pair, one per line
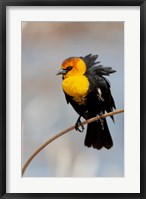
(98, 135)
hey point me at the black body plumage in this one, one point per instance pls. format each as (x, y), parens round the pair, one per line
(98, 101)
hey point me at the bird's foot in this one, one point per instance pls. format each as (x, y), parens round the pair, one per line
(79, 126)
(101, 120)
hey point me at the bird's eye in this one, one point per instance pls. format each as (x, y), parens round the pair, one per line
(69, 68)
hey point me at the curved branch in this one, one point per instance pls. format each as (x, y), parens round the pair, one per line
(64, 132)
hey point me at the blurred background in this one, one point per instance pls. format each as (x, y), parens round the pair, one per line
(44, 109)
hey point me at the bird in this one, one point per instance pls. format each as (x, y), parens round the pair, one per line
(89, 92)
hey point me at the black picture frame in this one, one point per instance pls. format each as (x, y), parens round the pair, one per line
(3, 125)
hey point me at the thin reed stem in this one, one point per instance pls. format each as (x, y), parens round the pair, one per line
(64, 132)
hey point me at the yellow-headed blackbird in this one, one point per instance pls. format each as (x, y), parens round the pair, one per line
(88, 91)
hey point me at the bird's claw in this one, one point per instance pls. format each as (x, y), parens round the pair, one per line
(101, 120)
(78, 125)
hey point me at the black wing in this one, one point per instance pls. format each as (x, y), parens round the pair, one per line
(100, 86)
(100, 95)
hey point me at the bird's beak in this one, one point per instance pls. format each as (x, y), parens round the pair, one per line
(61, 72)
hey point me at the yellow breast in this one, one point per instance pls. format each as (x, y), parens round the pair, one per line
(76, 86)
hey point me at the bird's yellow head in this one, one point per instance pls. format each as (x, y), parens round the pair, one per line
(72, 66)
